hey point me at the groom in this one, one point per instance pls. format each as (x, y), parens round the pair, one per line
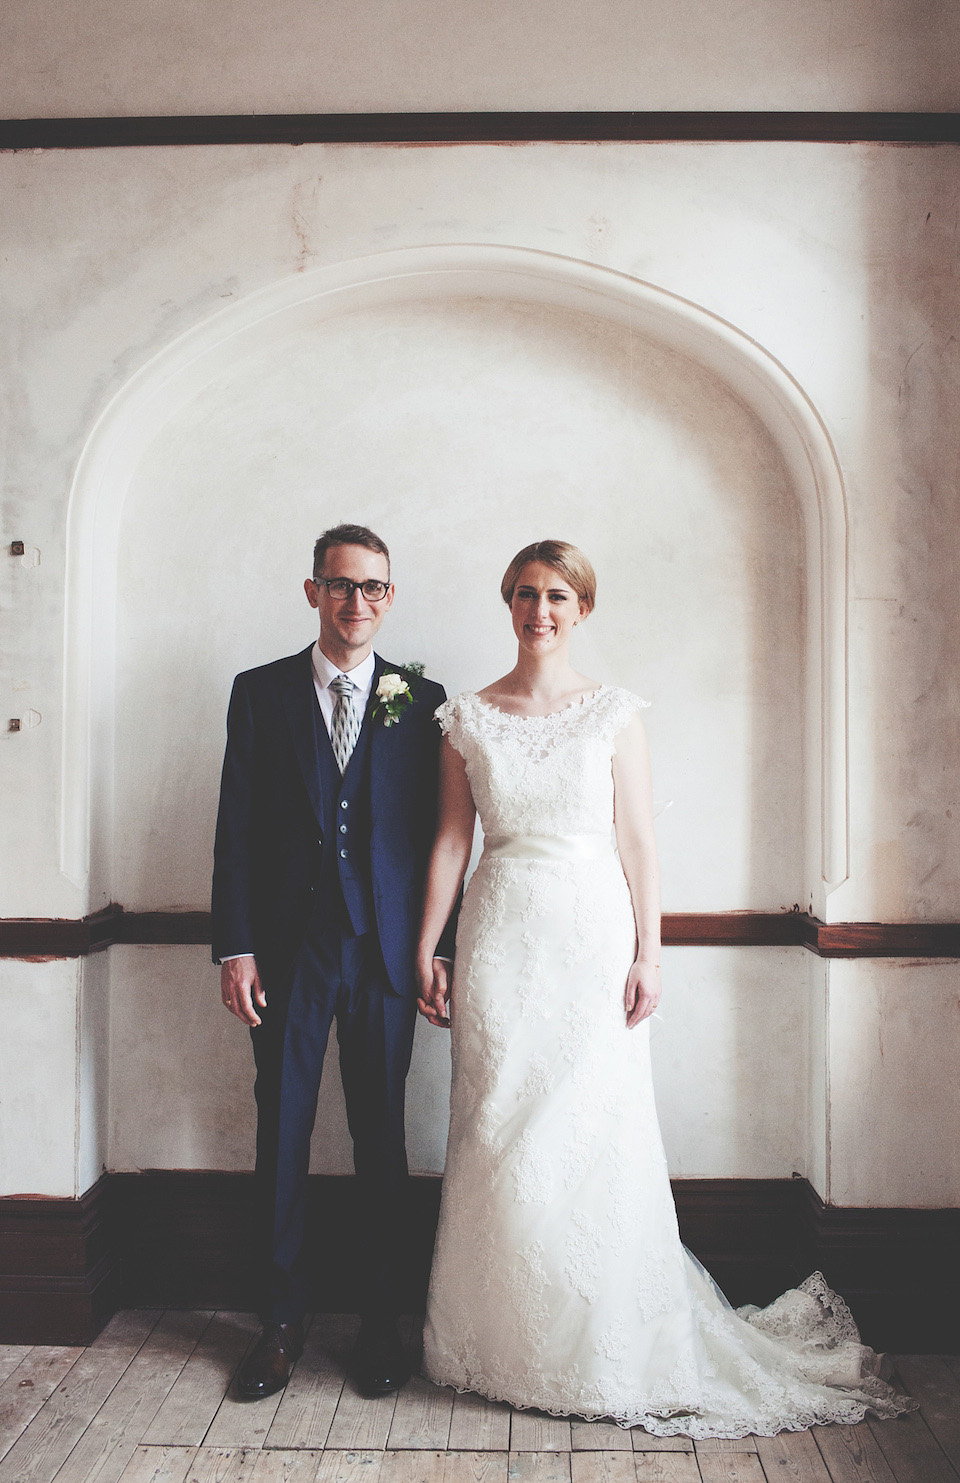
(327, 810)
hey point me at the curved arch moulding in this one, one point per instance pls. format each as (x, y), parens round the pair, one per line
(177, 373)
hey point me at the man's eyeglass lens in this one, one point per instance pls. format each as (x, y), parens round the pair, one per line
(341, 587)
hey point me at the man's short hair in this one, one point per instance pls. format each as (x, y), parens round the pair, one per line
(346, 535)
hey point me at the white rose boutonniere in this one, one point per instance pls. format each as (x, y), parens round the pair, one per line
(394, 695)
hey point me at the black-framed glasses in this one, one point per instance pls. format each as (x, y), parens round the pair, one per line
(343, 587)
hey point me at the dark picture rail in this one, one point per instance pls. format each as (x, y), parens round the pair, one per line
(482, 128)
(43, 937)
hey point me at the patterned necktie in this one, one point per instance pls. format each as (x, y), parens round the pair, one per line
(346, 721)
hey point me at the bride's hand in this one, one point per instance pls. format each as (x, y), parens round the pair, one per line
(435, 986)
(642, 994)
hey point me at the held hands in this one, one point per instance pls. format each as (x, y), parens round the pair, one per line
(642, 993)
(435, 985)
(240, 988)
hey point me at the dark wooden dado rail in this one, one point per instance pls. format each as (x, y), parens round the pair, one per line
(43, 937)
(592, 127)
(183, 1240)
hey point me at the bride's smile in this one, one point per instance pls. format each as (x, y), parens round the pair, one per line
(545, 608)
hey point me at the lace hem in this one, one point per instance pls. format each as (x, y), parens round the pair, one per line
(675, 1422)
(822, 1375)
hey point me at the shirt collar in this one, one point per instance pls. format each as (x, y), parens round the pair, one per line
(325, 671)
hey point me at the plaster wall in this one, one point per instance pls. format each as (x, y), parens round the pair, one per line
(837, 260)
(463, 429)
(894, 1033)
(39, 1066)
(744, 1014)
(167, 56)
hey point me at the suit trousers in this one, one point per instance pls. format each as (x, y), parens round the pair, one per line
(342, 977)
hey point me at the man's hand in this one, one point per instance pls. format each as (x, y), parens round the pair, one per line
(435, 986)
(240, 988)
(642, 993)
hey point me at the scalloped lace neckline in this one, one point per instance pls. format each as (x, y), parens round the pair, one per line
(575, 705)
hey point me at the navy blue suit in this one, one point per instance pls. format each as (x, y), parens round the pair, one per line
(321, 878)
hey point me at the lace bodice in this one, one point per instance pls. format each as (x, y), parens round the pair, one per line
(543, 775)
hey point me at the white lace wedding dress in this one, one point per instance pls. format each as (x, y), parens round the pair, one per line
(559, 1281)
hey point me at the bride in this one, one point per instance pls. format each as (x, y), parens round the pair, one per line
(559, 1281)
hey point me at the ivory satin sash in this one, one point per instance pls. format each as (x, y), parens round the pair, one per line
(576, 847)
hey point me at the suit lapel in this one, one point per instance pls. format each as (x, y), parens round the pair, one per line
(380, 735)
(300, 705)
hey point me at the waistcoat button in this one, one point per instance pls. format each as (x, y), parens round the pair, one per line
(343, 854)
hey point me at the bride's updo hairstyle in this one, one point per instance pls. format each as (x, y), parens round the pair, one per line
(569, 561)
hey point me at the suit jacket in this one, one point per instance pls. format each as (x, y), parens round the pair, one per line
(269, 842)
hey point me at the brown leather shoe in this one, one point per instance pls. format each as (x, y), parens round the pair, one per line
(267, 1367)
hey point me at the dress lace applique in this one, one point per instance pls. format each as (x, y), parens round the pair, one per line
(559, 1280)
(584, 1265)
(538, 1079)
(531, 1171)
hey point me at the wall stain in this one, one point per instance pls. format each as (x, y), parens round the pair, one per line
(299, 215)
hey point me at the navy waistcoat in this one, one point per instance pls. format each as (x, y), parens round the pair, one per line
(345, 885)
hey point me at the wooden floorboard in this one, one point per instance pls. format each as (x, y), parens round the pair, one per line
(475, 1467)
(538, 1467)
(591, 1466)
(282, 1465)
(422, 1417)
(725, 1444)
(158, 1465)
(12, 1355)
(646, 1442)
(111, 1438)
(793, 1457)
(479, 1425)
(912, 1451)
(151, 1401)
(533, 1431)
(361, 1421)
(667, 1467)
(933, 1381)
(28, 1385)
(730, 1467)
(349, 1467)
(185, 1416)
(39, 1453)
(409, 1466)
(852, 1455)
(599, 1436)
(224, 1465)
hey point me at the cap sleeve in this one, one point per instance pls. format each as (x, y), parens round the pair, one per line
(450, 716)
(619, 709)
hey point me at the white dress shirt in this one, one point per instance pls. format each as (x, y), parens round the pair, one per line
(325, 671)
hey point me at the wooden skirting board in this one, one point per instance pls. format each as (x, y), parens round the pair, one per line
(165, 1239)
(41, 937)
(594, 126)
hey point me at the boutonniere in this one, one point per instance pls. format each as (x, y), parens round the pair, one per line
(394, 694)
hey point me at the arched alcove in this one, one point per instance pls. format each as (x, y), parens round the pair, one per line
(265, 322)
